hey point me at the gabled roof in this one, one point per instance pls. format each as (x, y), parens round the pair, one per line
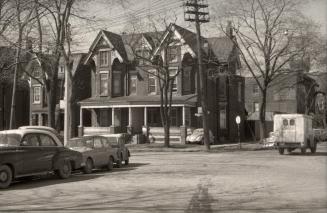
(222, 47)
(117, 42)
(114, 40)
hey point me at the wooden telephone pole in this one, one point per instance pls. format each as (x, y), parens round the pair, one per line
(197, 11)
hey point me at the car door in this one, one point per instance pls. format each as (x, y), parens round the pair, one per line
(101, 153)
(49, 151)
(30, 154)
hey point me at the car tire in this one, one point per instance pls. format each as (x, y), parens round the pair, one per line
(5, 176)
(281, 151)
(314, 148)
(65, 170)
(87, 169)
(119, 163)
(303, 150)
(127, 161)
(110, 164)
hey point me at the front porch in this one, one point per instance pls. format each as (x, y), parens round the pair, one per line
(137, 120)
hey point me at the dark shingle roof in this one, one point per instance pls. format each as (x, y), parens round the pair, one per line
(117, 41)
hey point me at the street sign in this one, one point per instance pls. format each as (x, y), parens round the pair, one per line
(238, 119)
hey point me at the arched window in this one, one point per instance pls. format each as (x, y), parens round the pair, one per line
(117, 78)
(187, 74)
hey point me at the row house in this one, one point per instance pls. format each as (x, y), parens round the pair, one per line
(125, 94)
(38, 97)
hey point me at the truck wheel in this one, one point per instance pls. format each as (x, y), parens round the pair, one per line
(303, 150)
(289, 150)
(281, 151)
(5, 176)
(314, 148)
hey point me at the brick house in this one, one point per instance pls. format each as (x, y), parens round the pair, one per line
(126, 98)
(38, 99)
(289, 93)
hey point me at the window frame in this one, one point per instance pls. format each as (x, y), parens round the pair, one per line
(223, 122)
(130, 83)
(175, 82)
(106, 92)
(35, 101)
(255, 104)
(103, 58)
(151, 75)
(116, 73)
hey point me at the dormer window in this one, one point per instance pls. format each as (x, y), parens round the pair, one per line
(143, 56)
(172, 54)
(104, 58)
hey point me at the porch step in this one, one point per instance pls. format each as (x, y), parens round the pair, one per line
(161, 138)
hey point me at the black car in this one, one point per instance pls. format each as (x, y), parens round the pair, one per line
(28, 152)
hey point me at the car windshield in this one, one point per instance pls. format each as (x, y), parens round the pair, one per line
(80, 143)
(10, 139)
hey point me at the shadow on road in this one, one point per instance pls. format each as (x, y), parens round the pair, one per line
(200, 201)
(47, 180)
(308, 154)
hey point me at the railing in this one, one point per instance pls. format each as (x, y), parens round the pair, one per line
(96, 130)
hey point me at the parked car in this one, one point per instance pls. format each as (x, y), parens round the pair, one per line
(28, 152)
(197, 136)
(118, 141)
(96, 150)
(47, 128)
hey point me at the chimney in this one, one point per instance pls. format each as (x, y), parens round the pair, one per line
(229, 29)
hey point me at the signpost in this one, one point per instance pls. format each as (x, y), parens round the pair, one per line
(238, 121)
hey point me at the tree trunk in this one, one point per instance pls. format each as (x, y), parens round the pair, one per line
(17, 65)
(262, 117)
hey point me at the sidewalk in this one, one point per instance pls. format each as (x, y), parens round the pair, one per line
(176, 147)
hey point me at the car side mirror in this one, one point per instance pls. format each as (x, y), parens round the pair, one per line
(24, 143)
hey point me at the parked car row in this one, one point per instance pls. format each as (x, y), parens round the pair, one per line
(37, 150)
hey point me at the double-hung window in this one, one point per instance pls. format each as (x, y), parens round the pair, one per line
(104, 58)
(104, 76)
(172, 74)
(37, 94)
(132, 84)
(152, 82)
(117, 80)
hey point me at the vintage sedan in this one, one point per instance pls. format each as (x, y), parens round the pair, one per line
(29, 152)
(47, 128)
(118, 141)
(96, 151)
(197, 136)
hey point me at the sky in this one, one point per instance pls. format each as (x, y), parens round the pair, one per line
(116, 18)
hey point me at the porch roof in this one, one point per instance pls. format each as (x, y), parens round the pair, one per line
(137, 101)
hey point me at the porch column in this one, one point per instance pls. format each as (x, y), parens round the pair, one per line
(145, 128)
(80, 127)
(112, 116)
(183, 128)
(129, 127)
(81, 116)
(145, 117)
(183, 115)
(39, 119)
(112, 127)
(130, 116)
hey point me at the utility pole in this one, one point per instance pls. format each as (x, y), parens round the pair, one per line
(196, 11)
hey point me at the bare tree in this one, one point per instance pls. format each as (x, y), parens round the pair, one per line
(157, 65)
(270, 36)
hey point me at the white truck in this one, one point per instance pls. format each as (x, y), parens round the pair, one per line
(294, 131)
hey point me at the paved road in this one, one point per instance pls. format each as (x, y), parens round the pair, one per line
(239, 181)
